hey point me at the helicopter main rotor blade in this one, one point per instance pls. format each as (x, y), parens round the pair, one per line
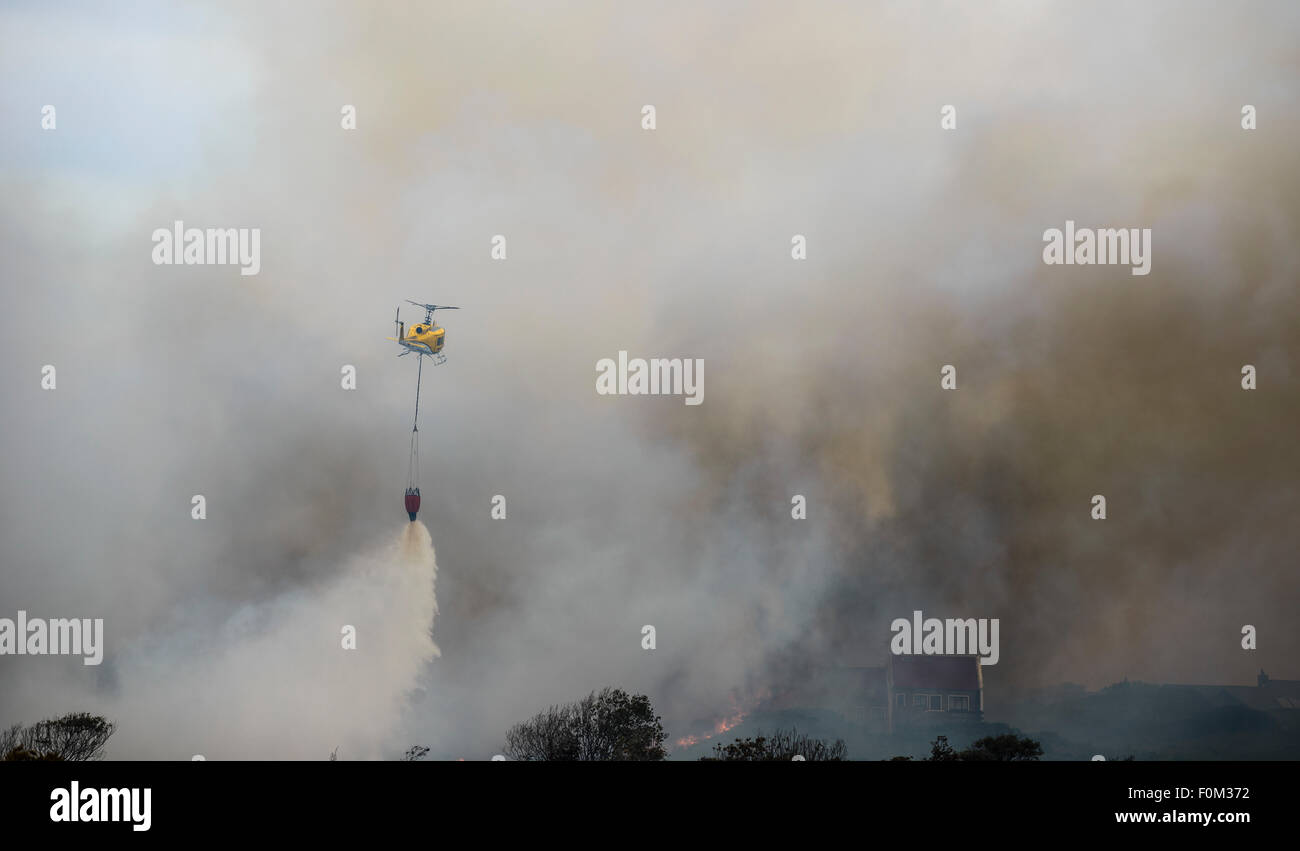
(432, 307)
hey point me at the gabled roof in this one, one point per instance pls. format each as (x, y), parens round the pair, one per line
(955, 673)
(1273, 694)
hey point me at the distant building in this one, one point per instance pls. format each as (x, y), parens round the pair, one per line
(1274, 694)
(1279, 697)
(922, 685)
(907, 690)
(914, 690)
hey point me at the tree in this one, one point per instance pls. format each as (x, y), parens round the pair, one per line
(76, 737)
(608, 725)
(546, 737)
(783, 745)
(614, 725)
(941, 751)
(415, 753)
(1005, 748)
(24, 755)
(10, 741)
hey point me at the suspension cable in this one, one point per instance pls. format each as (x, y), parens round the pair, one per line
(418, 377)
(413, 466)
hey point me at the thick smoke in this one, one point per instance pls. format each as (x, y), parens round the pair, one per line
(822, 376)
(296, 675)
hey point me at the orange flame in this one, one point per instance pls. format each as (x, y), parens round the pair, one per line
(729, 722)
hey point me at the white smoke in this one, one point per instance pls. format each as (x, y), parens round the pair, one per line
(277, 683)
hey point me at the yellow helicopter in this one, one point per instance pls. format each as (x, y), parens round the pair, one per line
(424, 338)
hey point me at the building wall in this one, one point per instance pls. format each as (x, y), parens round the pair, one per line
(911, 714)
(909, 708)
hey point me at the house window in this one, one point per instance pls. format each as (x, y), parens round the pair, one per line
(902, 701)
(918, 701)
(936, 703)
(958, 703)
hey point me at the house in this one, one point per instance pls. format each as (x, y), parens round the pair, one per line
(920, 686)
(1274, 695)
(1280, 698)
(906, 690)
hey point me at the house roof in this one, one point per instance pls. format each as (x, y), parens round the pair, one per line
(1283, 693)
(957, 673)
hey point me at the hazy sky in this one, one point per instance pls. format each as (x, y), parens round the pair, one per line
(821, 376)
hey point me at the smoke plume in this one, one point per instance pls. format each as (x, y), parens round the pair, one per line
(822, 375)
(275, 680)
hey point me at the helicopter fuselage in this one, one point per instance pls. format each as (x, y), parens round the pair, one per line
(423, 338)
(426, 339)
